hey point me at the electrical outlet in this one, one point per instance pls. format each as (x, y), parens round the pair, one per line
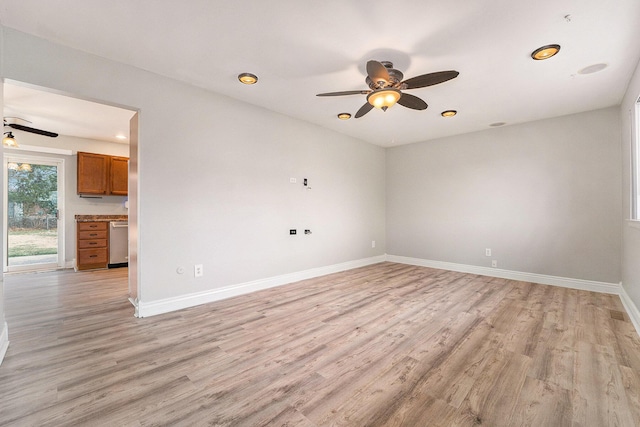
(494, 263)
(373, 243)
(293, 231)
(487, 252)
(198, 270)
(307, 231)
(293, 180)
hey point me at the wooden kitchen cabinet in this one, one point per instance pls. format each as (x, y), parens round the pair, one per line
(93, 170)
(119, 176)
(100, 174)
(92, 245)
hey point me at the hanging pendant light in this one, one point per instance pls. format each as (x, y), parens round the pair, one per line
(9, 140)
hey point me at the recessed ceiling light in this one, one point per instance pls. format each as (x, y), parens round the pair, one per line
(121, 136)
(248, 78)
(545, 52)
(592, 69)
(497, 124)
(344, 116)
(448, 113)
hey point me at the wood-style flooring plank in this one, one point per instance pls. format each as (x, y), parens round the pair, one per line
(383, 345)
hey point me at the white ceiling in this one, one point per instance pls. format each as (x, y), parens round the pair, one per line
(65, 115)
(301, 48)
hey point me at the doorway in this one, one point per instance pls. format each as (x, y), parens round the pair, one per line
(34, 216)
(82, 125)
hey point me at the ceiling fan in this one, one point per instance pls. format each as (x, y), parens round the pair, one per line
(386, 86)
(28, 128)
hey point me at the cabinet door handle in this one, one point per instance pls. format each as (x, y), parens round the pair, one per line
(93, 256)
(93, 243)
(94, 234)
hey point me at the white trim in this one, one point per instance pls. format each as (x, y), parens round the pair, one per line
(4, 341)
(632, 310)
(152, 308)
(134, 303)
(48, 150)
(565, 282)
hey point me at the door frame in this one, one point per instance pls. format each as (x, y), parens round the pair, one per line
(50, 161)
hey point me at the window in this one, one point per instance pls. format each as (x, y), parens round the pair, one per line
(635, 163)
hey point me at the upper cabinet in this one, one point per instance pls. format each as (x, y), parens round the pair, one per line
(100, 174)
(93, 171)
(119, 176)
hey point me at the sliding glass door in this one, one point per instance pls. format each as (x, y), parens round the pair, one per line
(32, 222)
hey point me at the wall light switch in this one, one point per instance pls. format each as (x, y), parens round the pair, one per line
(487, 252)
(373, 243)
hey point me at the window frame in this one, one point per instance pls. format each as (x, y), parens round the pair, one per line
(635, 163)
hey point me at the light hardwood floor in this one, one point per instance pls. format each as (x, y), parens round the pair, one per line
(384, 345)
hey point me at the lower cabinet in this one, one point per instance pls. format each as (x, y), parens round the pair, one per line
(92, 245)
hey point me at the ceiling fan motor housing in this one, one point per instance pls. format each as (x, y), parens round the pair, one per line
(395, 78)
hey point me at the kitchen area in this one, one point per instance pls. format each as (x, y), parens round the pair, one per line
(102, 241)
(84, 157)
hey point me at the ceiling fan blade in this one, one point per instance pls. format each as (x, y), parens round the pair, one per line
(364, 110)
(413, 102)
(430, 79)
(377, 72)
(346, 92)
(32, 130)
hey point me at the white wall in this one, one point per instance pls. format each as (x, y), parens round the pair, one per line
(4, 331)
(74, 204)
(544, 196)
(214, 176)
(630, 230)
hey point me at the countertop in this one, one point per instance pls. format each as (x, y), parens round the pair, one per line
(92, 218)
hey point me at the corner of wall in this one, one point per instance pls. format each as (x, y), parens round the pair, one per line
(4, 341)
(632, 309)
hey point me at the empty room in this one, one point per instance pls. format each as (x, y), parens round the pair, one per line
(286, 213)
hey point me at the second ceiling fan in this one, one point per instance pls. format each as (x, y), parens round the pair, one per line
(386, 86)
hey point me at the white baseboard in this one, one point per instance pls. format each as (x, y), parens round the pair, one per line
(152, 308)
(632, 310)
(4, 341)
(584, 285)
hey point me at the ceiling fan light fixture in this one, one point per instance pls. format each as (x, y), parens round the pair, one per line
(545, 52)
(9, 140)
(248, 78)
(384, 98)
(344, 116)
(449, 113)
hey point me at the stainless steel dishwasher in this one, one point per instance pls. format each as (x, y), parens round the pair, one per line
(118, 244)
